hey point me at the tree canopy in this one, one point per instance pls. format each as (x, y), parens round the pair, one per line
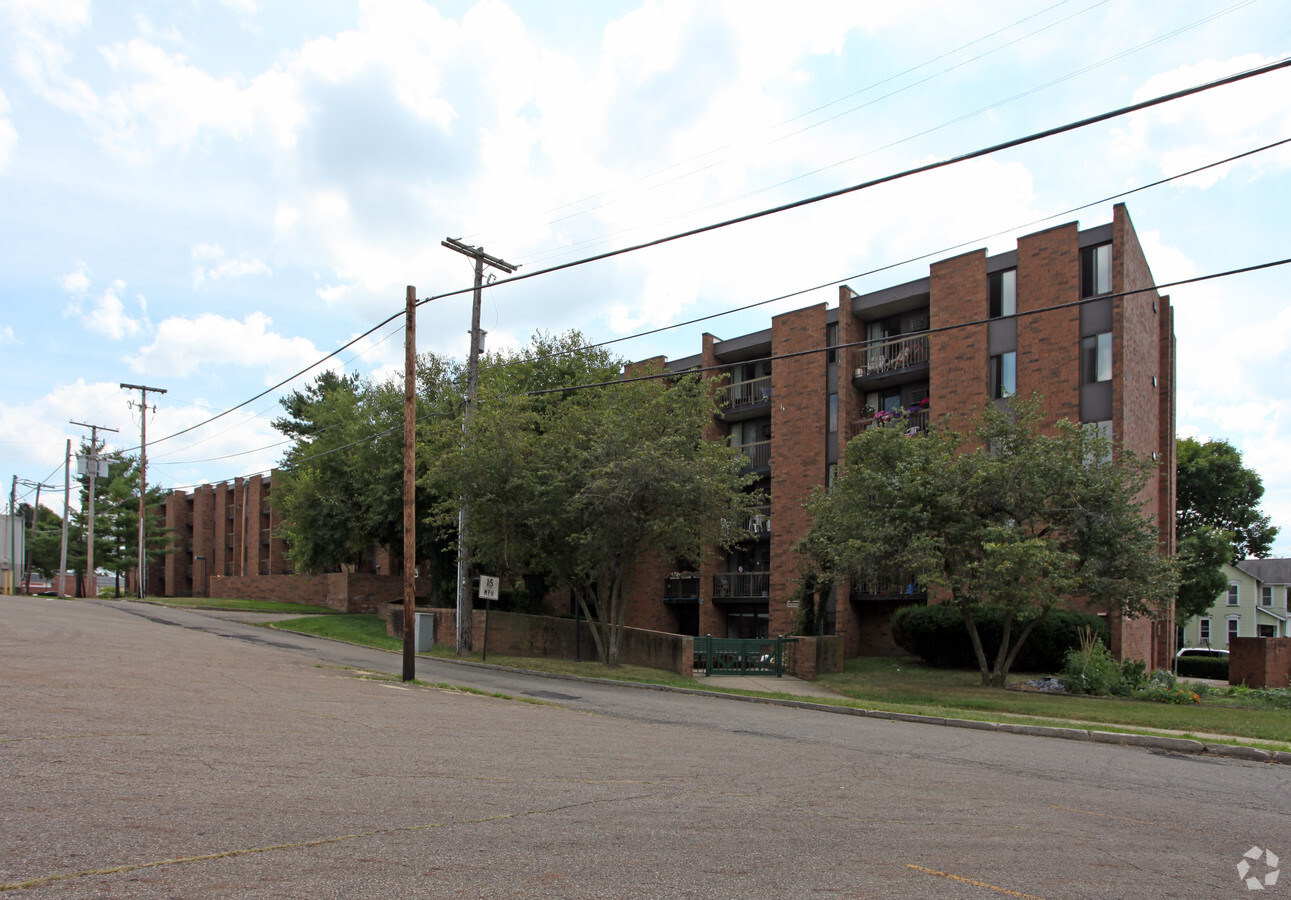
(340, 485)
(570, 488)
(1012, 515)
(1218, 520)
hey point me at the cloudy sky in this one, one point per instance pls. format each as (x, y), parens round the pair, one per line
(209, 196)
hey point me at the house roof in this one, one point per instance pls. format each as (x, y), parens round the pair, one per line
(1269, 571)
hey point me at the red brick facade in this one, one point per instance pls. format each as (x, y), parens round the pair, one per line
(946, 364)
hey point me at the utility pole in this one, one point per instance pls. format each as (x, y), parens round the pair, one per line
(67, 506)
(143, 470)
(31, 532)
(410, 485)
(92, 465)
(465, 602)
(13, 537)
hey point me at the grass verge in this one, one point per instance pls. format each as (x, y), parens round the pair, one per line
(897, 685)
(240, 605)
(916, 687)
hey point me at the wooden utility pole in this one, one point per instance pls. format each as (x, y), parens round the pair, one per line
(92, 466)
(143, 390)
(67, 507)
(465, 601)
(410, 486)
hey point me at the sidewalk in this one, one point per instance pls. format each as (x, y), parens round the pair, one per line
(770, 684)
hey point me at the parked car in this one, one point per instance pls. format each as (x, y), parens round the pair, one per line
(1202, 653)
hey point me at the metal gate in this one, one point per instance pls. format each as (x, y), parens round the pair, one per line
(741, 656)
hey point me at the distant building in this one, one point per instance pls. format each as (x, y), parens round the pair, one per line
(1255, 604)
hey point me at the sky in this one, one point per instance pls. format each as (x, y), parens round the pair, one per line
(208, 196)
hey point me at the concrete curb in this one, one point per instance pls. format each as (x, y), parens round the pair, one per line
(1162, 743)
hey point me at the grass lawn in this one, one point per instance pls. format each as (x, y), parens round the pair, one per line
(234, 603)
(898, 685)
(907, 685)
(357, 628)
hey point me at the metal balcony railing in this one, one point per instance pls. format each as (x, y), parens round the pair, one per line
(745, 393)
(879, 357)
(741, 585)
(758, 452)
(681, 586)
(887, 586)
(910, 421)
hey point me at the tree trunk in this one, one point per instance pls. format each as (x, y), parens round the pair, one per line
(976, 638)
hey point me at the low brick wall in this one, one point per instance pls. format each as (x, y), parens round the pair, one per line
(1259, 662)
(307, 589)
(512, 634)
(808, 657)
(347, 592)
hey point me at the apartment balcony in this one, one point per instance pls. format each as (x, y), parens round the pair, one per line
(890, 586)
(741, 586)
(681, 587)
(911, 421)
(758, 453)
(758, 521)
(745, 399)
(879, 364)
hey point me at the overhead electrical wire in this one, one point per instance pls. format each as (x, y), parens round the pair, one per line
(591, 242)
(797, 204)
(781, 297)
(708, 153)
(698, 370)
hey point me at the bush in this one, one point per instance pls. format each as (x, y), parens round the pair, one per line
(1090, 668)
(937, 635)
(1203, 667)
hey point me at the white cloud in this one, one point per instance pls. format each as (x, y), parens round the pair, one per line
(75, 283)
(106, 314)
(7, 336)
(1213, 125)
(224, 267)
(180, 346)
(8, 134)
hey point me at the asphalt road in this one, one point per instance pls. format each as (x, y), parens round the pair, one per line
(148, 752)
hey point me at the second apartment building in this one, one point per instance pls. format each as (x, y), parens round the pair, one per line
(1052, 317)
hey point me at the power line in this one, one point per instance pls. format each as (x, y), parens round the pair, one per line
(781, 297)
(818, 198)
(942, 328)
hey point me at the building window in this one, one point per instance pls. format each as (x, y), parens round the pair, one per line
(1232, 595)
(1232, 627)
(831, 341)
(1096, 358)
(1266, 595)
(1004, 293)
(1096, 270)
(1268, 631)
(1003, 378)
(1203, 632)
(833, 413)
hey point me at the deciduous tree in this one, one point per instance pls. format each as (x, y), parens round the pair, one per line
(1012, 515)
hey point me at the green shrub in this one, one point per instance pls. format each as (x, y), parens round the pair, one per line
(1203, 667)
(1162, 694)
(1090, 668)
(937, 635)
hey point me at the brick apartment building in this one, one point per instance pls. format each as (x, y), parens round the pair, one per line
(970, 331)
(1048, 318)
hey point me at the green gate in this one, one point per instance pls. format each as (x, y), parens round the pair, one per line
(741, 656)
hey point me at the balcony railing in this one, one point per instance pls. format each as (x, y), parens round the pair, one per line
(911, 421)
(758, 520)
(741, 585)
(759, 453)
(682, 586)
(745, 393)
(879, 357)
(888, 586)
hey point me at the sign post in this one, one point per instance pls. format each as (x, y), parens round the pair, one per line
(488, 593)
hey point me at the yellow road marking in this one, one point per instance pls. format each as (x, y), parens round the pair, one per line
(981, 884)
